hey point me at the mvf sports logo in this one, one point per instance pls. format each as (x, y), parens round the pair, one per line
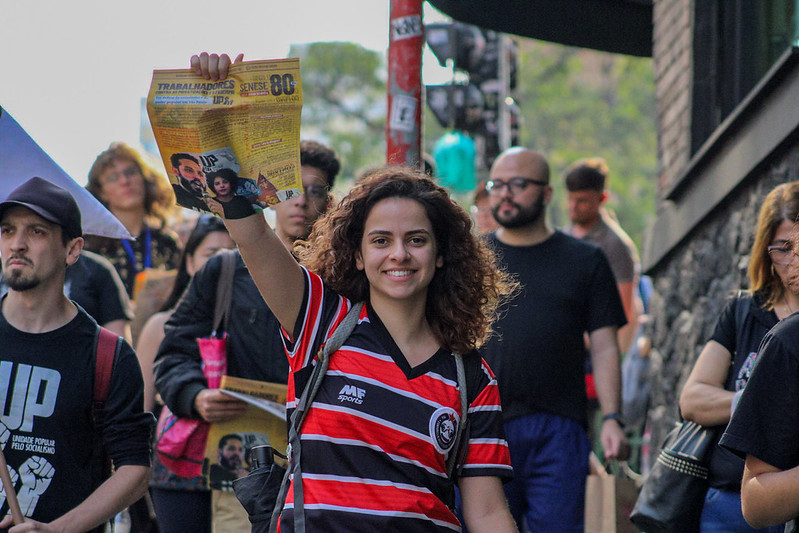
(351, 393)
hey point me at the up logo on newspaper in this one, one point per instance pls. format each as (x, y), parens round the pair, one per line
(230, 147)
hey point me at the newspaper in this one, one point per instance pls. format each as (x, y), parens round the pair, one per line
(243, 130)
(227, 454)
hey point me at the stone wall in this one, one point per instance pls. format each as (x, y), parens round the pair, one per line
(692, 284)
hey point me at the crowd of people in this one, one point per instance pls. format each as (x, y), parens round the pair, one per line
(540, 318)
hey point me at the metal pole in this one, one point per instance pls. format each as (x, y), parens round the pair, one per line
(404, 124)
(11, 494)
(504, 92)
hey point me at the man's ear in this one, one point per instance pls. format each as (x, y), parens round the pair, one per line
(547, 194)
(74, 248)
(605, 196)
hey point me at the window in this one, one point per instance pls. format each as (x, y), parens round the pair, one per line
(735, 43)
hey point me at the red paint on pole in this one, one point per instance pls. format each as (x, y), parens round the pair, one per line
(404, 124)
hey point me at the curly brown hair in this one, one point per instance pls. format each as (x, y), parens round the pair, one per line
(464, 294)
(159, 199)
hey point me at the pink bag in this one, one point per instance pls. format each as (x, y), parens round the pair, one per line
(181, 442)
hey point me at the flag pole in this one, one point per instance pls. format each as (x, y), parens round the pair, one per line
(11, 495)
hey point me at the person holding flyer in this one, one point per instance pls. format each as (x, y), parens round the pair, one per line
(254, 345)
(381, 422)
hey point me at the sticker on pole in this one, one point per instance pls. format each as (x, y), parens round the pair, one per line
(403, 113)
(406, 27)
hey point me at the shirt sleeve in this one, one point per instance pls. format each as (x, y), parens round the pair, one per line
(621, 261)
(604, 301)
(114, 303)
(488, 453)
(321, 310)
(765, 423)
(127, 428)
(724, 333)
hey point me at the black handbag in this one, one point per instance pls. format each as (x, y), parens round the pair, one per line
(673, 493)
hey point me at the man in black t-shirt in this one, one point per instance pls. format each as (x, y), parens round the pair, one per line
(538, 350)
(93, 283)
(47, 357)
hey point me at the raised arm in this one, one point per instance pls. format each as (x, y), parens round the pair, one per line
(276, 274)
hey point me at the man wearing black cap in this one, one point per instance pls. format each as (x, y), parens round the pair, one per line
(47, 375)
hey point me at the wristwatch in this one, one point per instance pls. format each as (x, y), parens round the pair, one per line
(613, 416)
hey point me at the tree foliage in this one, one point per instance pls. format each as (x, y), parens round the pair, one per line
(578, 103)
(344, 101)
(575, 103)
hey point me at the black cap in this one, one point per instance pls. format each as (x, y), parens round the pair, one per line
(49, 201)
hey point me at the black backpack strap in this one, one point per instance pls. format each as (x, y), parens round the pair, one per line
(335, 342)
(743, 302)
(471, 365)
(454, 456)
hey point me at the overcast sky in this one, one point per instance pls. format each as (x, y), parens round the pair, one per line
(74, 72)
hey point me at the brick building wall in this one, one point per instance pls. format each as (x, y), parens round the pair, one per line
(672, 55)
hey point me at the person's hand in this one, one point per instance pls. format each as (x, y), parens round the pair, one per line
(216, 406)
(212, 66)
(214, 206)
(613, 441)
(27, 526)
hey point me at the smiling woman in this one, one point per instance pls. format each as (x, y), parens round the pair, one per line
(399, 243)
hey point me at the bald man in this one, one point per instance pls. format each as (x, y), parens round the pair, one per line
(538, 353)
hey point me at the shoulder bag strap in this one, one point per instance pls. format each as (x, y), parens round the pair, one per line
(335, 342)
(224, 291)
(742, 304)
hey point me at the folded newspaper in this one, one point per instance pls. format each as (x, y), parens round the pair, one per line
(227, 454)
(234, 141)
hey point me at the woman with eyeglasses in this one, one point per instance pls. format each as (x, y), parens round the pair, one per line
(725, 363)
(141, 199)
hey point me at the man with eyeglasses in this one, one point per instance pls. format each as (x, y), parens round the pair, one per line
(538, 351)
(254, 346)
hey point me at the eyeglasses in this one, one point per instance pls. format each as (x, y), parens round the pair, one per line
(780, 254)
(514, 185)
(317, 192)
(113, 177)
